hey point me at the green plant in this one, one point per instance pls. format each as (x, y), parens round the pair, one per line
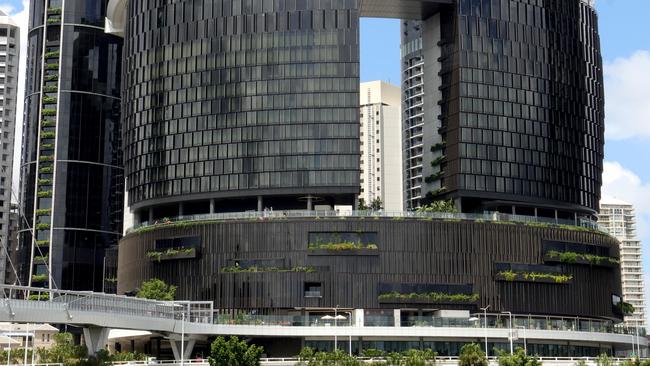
(431, 196)
(44, 194)
(371, 352)
(471, 354)
(156, 289)
(46, 158)
(38, 297)
(437, 161)
(41, 258)
(54, 11)
(111, 280)
(52, 66)
(234, 352)
(50, 88)
(47, 135)
(438, 206)
(64, 351)
(39, 278)
(47, 146)
(52, 54)
(42, 226)
(43, 211)
(42, 243)
(438, 146)
(511, 276)
(44, 182)
(573, 257)
(626, 308)
(46, 170)
(519, 358)
(434, 177)
(434, 297)
(49, 100)
(54, 21)
(169, 252)
(48, 124)
(53, 77)
(256, 269)
(604, 360)
(375, 205)
(342, 246)
(309, 357)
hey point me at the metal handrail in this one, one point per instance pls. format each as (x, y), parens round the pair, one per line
(299, 214)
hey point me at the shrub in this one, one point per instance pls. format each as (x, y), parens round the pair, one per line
(43, 211)
(48, 124)
(447, 206)
(54, 11)
(42, 226)
(49, 100)
(44, 194)
(472, 355)
(39, 278)
(38, 297)
(46, 170)
(52, 66)
(519, 358)
(434, 297)
(604, 360)
(53, 77)
(156, 289)
(437, 161)
(47, 146)
(42, 243)
(234, 352)
(52, 54)
(48, 135)
(46, 158)
(44, 182)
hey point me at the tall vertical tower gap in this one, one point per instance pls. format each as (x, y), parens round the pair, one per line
(619, 219)
(9, 56)
(381, 145)
(71, 173)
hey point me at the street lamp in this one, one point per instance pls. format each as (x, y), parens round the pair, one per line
(485, 309)
(512, 351)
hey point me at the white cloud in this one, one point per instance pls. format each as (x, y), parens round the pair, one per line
(627, 97)
(21, 18)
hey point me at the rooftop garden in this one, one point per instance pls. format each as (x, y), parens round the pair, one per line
(432, 297)
(256, 269)
(521, 276)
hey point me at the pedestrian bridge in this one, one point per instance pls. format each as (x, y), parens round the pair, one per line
(184, 322)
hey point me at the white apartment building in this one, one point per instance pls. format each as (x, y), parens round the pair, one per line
(381, 144)
(619, 219)
(9, 55)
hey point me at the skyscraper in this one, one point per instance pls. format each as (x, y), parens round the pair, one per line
(9, 57)
(241, 116)
(71, 172)
(381, 145)
(619, 219)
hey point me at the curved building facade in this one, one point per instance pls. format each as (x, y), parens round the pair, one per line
(71, 173)
(519, 107)
(238, 105)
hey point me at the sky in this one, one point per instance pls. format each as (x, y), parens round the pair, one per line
(625, 39)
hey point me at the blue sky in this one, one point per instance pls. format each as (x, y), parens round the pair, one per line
(625, 38)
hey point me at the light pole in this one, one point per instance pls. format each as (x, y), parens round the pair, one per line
(524, 334)
(341, 317)
(512, 350)
(182, 335)
(485, 309)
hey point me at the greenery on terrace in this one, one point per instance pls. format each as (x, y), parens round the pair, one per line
(626, 307)
(434, 297)
(342, 246)
(156, 289)
(511, 276)
(158, 254)
(39, 278)
(261, 269)
(573, 257)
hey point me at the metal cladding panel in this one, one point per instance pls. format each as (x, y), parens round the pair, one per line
(462, 256)
(401, 9)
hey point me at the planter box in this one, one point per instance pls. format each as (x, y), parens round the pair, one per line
(343, 253)
(521, 278)
(182, 255)
(580, 261)
(425, 302)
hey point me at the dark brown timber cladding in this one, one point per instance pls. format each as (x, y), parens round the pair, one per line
(410, 252)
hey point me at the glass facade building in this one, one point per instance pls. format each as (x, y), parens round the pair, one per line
(71, 173)
(239, 105)
(521, 108)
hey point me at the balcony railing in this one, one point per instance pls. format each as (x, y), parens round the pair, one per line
(305, 214)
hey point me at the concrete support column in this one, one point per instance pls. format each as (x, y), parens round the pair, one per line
(260, 204)
(150, 215)
(212, 206)
(176, 348)
(514, 210)
(310, 204)
(356, 203)
(398, 317)
(358, 318)
(556, 216)
(535, 211)
(95, 339)
(181, 208)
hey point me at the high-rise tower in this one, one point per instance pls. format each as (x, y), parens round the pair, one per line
(71, 173)
(9, 56)
(619, 219)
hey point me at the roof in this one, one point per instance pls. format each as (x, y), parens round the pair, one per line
(607, 200)
(6, 19)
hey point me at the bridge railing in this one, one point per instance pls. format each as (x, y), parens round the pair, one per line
(34, 297)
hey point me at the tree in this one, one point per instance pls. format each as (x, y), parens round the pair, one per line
(156, 289)
(375, 205)
(234, 352)
(64, 351)
(519, 358)
(438, 206)
(472, 355)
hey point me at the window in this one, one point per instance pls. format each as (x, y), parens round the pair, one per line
(313, 289)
